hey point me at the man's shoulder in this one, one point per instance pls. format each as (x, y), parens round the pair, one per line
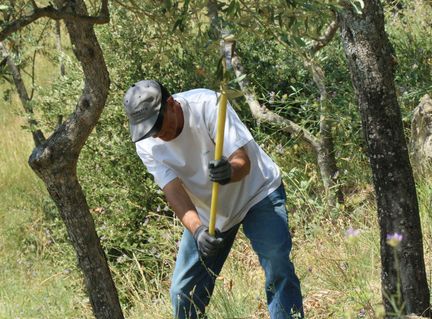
(197, 95)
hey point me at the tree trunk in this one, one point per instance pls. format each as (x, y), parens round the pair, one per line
(55, 163)
(325, 149)
(371, 63)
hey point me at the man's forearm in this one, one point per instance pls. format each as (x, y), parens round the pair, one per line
(240, 165)
(182, 205)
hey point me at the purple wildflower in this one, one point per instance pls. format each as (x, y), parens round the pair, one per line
(351, 232)
(394, 239)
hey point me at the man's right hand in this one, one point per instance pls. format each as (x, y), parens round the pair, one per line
(208, 245)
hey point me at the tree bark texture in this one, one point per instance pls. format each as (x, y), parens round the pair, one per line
(371, 63)
(56, 159)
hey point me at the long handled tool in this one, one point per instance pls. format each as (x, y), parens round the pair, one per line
(218, 156)
(227, 44)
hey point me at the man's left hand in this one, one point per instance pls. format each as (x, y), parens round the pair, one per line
(220, 171)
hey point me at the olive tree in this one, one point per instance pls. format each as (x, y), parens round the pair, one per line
(372, 65)
(55, 159)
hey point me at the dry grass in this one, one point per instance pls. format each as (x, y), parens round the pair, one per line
(340, 275)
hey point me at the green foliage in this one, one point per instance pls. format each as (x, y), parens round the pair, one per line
(142, 45)
(57, 101)
(280, 80)
(410, 33)
(284, 85)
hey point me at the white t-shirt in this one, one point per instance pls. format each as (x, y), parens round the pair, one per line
(187, 157)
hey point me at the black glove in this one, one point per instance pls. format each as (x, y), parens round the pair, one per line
(220, 171)
(207, 244)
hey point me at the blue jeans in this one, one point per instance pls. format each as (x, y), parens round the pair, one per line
(266, 226)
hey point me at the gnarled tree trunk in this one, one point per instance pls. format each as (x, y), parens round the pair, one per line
(55, 163)
(324, 149)
(371, 63)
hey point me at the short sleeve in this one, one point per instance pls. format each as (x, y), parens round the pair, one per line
(161, 173)
(236, 134)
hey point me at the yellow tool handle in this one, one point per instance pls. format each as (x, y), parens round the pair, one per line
(218, 155)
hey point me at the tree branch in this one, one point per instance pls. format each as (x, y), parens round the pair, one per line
(323, 40)
(260, 112)
(56, 14)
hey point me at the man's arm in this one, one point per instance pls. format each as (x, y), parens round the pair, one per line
(182, 205)
(240, 165)
(180, 201)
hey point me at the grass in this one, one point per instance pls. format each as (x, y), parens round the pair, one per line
(340, 277)
(340, 274)
(31, 285)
